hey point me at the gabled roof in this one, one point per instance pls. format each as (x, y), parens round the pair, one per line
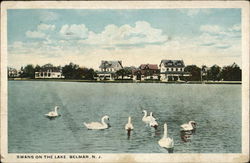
(110, 64)
(173, 63)
(148, 66)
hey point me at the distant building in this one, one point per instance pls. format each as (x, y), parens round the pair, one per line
(107, 70)
(49, 71)
(13, 73)
(172, 70)
(146, 71)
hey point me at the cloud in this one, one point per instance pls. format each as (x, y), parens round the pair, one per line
(211, 28)
(45, 27)
(42, 32)
(74, 31)
(35, 34)
(235, 28)
(220, 37)
(48, 16)
(133, 44)
(112, 35)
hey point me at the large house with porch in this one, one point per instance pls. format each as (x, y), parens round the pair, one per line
(107, 70)
(172, 70)
(146, 71)
(49, 71)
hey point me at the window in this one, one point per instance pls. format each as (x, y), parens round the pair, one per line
(172, 69)
(167, 69)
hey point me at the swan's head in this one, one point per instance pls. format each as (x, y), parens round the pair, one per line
(144, 111)
(193, 123)
(106, 117)
(56, 107)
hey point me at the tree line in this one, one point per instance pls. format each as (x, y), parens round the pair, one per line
(74, 71)
(69, 71)
(214, 73)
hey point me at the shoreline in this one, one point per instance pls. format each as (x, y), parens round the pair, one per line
(127, 81)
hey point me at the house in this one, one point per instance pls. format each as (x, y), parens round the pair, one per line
(172, 70)
(49, 71)
(146, 71)
(108, 69)
(13, 73)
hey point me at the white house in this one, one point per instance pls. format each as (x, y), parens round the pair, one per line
(108, 69)
(172, 70)
(48, 71)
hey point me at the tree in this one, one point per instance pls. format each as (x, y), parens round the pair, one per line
(126, 71)
(37, 68)
(214, 73)
(71, 71)
(194, 71)
(231, 73)
(120, 72)
(28, 71)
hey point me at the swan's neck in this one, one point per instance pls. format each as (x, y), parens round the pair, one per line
(165, 131)
(190, 123)
(55, 109)
(103, 122)
(151, 114)
(129, 119)
(145, 113)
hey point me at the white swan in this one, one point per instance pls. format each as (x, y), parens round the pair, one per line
(129, 125)
(151, 115)
(166, 142)
(153, 123)
(146, 118)
(98, 125)
(191, 125)
(53, 114)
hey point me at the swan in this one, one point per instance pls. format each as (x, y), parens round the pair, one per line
(153, 123)
(191, 125)
(146, 118)
(98, 125)
(151, 115)
(166, 142)
(53, 114)
(129, 126)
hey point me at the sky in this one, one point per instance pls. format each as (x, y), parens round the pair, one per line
(136, 36)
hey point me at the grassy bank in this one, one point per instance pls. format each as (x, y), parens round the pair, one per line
(127, 81)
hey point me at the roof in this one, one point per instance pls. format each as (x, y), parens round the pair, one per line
(50, 67)
(110, 64)
(148, 66)
(173, 63)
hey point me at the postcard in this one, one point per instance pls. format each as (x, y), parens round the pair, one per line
(129, 81)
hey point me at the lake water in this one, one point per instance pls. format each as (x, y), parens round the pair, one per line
(215, 108)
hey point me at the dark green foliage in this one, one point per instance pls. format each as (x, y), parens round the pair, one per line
(126, 71)
(214, 73)
(73, 71)
(231, 73)
(28, 71)
(194, 71)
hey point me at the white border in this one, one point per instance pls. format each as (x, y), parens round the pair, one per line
(242, 157)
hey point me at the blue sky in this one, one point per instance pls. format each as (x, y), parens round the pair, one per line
(85, 37)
